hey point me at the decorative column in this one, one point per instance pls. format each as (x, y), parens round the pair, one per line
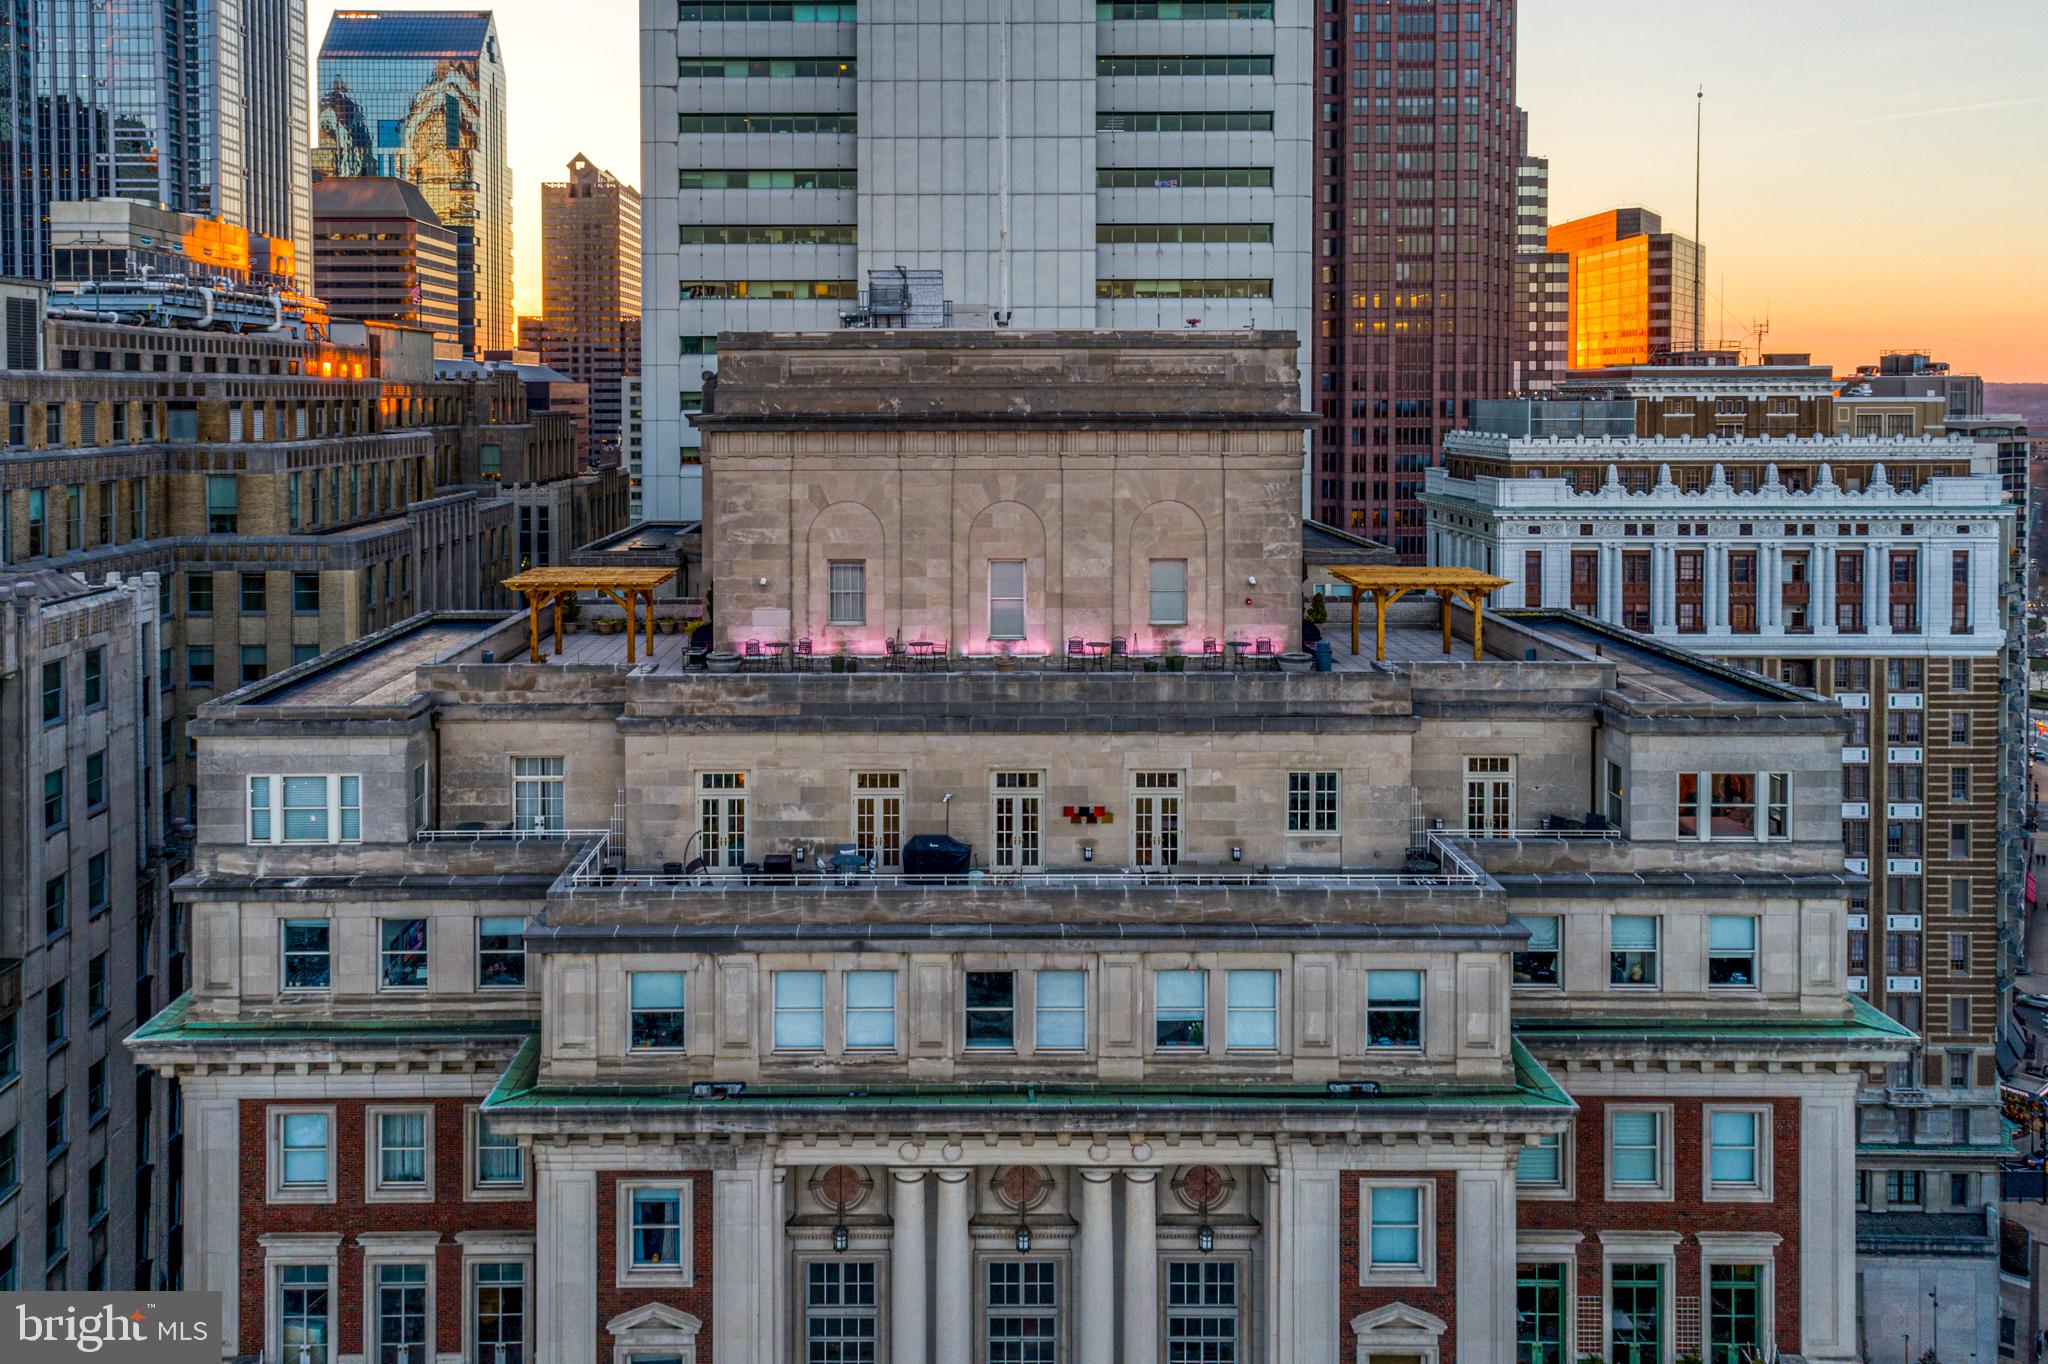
(565, 1300)
(906, 1268)
(1095, 1270)
(1660, 589)
(1823, 588)
(1141, 1266)
(953, 1325)
(1877, 563)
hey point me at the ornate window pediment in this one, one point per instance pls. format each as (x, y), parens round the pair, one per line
(1398, 1332)
(653, 1332)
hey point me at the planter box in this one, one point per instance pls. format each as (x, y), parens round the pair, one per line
(723, 661)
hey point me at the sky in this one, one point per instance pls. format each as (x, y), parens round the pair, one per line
(1875, 174)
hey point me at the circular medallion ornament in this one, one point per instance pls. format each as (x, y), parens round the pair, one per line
(1203, 1186)
(841, 1187)
(1023, 1187)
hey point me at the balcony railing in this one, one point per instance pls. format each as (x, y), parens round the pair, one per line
(484, 834)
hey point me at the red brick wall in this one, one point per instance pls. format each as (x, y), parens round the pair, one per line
(350, 1214)
(696, 1299)
(1352, 1299)
(1592, 1213)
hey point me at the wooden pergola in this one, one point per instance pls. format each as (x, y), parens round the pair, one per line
(548, 586)
(1387, 585)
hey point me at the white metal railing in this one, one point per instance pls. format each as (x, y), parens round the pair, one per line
(589, 872)
(503, 835)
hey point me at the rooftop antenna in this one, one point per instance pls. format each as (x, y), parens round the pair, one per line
(1699, 255)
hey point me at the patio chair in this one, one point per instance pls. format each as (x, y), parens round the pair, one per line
(800, 655)
(1077, 652)
(751, 656)
(1212, 655)
(1262, 653)
(1120, 651)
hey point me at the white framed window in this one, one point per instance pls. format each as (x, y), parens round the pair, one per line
(870, 1010)
(1489, 796)
(302, 1155)
(1731, 952)
(497, 1165)
(399, 1312)
(1180, 1010)
(1632, 951)
(539, 794)
(1203, 1309)
(1738, 1163)
(722, 818)
(1060, 1011)
(401, 954)
(304, 947)
(1015, 812)
(497, 1311)
(656, 1233)
(1638, 1152)
(305, 1313)
(1740, 1273)
(989, 1010)
(1540, 963)
(1021, 1311)
(1311, 802)
(1543, 1166)
(1155, 819)
(1397, 1241)
(1006, 588)
(799, 1010)
(421, 797)
(1251, 1010)
(878, 817)
(401, 1160)
(842, 1312)
(289, 809)
(1393, 1010)
(1168, 598)
(655, 1017)
(1726, 805)
(500, 952)
(847, 593)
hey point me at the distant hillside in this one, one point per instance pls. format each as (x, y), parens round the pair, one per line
(2029, 400)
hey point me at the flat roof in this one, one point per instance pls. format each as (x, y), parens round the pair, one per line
(379, 675)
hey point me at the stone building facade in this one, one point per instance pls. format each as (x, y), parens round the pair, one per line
(1854, 545)
(1400, 1013)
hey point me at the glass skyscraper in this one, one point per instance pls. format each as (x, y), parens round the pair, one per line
(420, 96)
(194, 105)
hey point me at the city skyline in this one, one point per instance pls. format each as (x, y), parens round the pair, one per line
(1777, 130)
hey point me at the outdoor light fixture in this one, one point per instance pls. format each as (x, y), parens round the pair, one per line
(760, 582)
(1023, 1237)
(1205, 1238)
(839, 1238)
(1236, 853)
(1087, 852)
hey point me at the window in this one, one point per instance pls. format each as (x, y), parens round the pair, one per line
(53, 800)
(1635, 1151)
(722, 816)
(304, 1151)
(402, 954)
(499, 1161)
(10, 1048)
(1202, 1311)
(10, 1161)
(1731, 952)
(1395, 1230)
(303, 1313)
(871, 1009)
(991, 1009)
(401, 1310)
(401, 1149)
(1251, 1011)
(305, 593)
(500, 952)
(56, 1014)
(198, 594)
(1393, 1010)
(799, 1010)
(1155, 819)
(1959, 783)
(841, 1312)
(1636, 1313)
(1061, 1011)
(1541, 1300)
(538, 797)
(878, 817)
(1541, 1166)
(655, 1014)
(1014, 812)
(498, 1313)
(1632, 950)
(847, 601)
(1735, 1151)
(1022, 1311)
(1958, 728)
(53, 692)
(95, 677)
(96, 780)
(1958, 943)
(96, 1088)
(1180, 1009)
(306, 961)
(1006, 599)
(255, 593)
(1169, 592)
(57, 903)
(255, 663)
(96, 988)
(305, 809)
(1537, 963)
(1616, 805)
(654, 1227)
(1902, 1188)
(221, 499)
(1311, 802)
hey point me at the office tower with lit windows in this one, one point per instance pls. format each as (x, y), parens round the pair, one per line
(420, 96)
(1541, 276)
(383, 256)
(1415, 173)
(590, 286)
(1634, 289)
(1065, 163)
(198, 109)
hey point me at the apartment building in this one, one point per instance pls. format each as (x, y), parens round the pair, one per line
(559, 1047)
(1726, 509)
(1064, 164)
(385, 256)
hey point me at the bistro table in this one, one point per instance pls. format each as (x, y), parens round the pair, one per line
(1238, 648)
(774, 653)
(1098, 652)
(923, 652)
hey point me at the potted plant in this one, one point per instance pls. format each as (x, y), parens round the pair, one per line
(1295, 661)
(1175, 660)
(722, 661)
(840, 659)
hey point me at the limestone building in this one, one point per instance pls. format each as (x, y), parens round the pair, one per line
(1861, 547)
(1398, 1013)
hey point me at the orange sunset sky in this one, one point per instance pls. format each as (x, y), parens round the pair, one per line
(1876, 173)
